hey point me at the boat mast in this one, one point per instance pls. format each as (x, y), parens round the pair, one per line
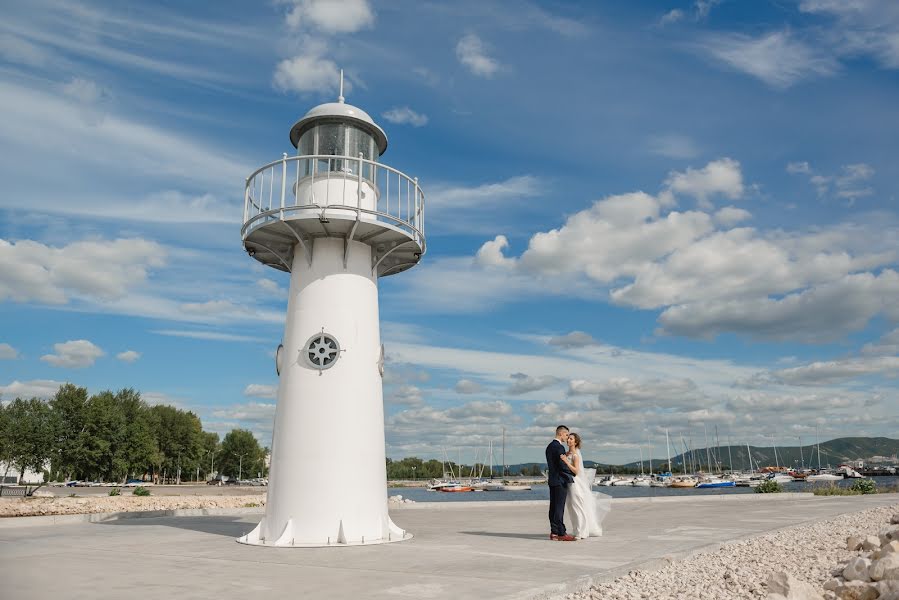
(717, 451)
(776, 460)
(708, 454)
(648, 441)
(641, 461)
(504, 453)
(668, 451)
(749, 454)
(730, 457)
(818, 443)
(801, 456)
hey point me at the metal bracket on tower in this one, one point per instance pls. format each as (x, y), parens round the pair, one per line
(374, 267)
(307, 249)
(286, 262)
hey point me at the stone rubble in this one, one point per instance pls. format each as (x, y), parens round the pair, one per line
(835, 559)
(43, 505)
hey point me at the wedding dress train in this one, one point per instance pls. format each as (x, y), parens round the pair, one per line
(585, 508)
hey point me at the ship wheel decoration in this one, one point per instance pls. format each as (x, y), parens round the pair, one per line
(322, 351)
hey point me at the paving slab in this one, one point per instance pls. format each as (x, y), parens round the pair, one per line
(460, 550)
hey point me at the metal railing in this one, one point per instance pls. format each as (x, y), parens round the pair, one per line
(286, 187)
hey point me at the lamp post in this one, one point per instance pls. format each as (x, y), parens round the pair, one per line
(413, 473)
(240, 466)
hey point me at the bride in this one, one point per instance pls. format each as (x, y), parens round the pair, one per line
(584, 508)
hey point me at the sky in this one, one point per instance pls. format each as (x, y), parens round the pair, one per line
(641, 216)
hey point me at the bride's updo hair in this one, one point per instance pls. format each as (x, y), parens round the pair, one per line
(577, 440)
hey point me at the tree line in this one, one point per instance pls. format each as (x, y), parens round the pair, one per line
(416, 468)
(116, 436)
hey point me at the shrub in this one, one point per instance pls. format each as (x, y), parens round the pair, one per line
(141, 491)
(864, 486)
(115, 492)
(769, 487)
(251, 505)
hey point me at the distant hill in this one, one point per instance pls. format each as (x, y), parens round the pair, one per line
(833, 453)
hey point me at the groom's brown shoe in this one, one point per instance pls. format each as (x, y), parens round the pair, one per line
(566, 538)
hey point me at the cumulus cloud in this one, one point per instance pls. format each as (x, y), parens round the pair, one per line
(33, 272)
(719, 177)
(673, 146)
(403, 115)
(575, 339)
(490, 254)
(74, 354)
(830, 372)
(775, 58)
(849, 184)
(128, 356)
(472, 52)
(35, 388)
(259, 390)
(405, 395)
(7, 352)
(309, 71)
(330, 16)
(730, 216)
(467, 386)
(254, 412)
(525, 384)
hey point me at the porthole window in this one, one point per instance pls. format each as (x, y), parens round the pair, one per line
(321, 351)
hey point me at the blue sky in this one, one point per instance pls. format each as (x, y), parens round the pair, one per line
(641, 216)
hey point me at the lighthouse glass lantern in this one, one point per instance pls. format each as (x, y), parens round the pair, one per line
(337, 220)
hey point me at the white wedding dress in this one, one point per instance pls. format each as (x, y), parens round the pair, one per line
(584, 508)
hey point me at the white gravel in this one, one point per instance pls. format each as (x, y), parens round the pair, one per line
(812, 552)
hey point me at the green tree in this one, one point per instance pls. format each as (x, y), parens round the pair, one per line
(240, 451)
(70, 437)
(31, 433)
(178, 440)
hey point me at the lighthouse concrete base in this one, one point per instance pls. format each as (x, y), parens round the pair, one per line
(291, 538)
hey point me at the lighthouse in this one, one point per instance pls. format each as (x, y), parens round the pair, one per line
(337, 219)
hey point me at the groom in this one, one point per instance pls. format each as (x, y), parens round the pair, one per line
(559, 478)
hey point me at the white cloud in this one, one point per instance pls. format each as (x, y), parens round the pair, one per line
(704, 7)
(254, 412)
(775, 58)
(74, 354)
(490, 254)
(830, 372)
(18, 50)
(850, 184)
(331, 16)
(673, 146)
(863, 27)
(35, 388)
(722, 176)
(33, 272)
(730, 216)
(306, 73)
(472, 53)
(83, 90)
(403, 115)
(525, 384)
(575, 339)
(7, 352)
(443, 196)
(467, 386)
(672, 16)
(210, 335)
(407, 395)
(259, 390)
(128, 356)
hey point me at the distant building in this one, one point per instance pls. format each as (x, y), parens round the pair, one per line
(10, 475)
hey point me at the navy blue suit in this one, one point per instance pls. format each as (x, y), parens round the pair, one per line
(559, 478)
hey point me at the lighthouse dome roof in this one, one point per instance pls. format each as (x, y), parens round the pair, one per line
(342, 112)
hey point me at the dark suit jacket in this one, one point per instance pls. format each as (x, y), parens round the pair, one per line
(559, 473)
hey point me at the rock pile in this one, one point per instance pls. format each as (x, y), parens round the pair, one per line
(872, 573)
(27, 507)
(801, 559)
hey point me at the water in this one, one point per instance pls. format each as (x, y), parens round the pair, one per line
(541, 492)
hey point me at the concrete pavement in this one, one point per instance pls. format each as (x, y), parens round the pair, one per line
(460, 550)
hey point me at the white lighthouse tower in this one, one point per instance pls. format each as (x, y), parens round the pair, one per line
(336, 219)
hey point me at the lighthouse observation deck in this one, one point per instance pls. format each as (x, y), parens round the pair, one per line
(300, 198)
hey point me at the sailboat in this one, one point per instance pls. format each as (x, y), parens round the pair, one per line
(821, 476)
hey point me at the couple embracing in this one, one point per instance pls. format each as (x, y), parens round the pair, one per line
(570, 490)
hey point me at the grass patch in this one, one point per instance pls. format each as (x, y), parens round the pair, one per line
(141, 491)
(769, 487)
(115, 492)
